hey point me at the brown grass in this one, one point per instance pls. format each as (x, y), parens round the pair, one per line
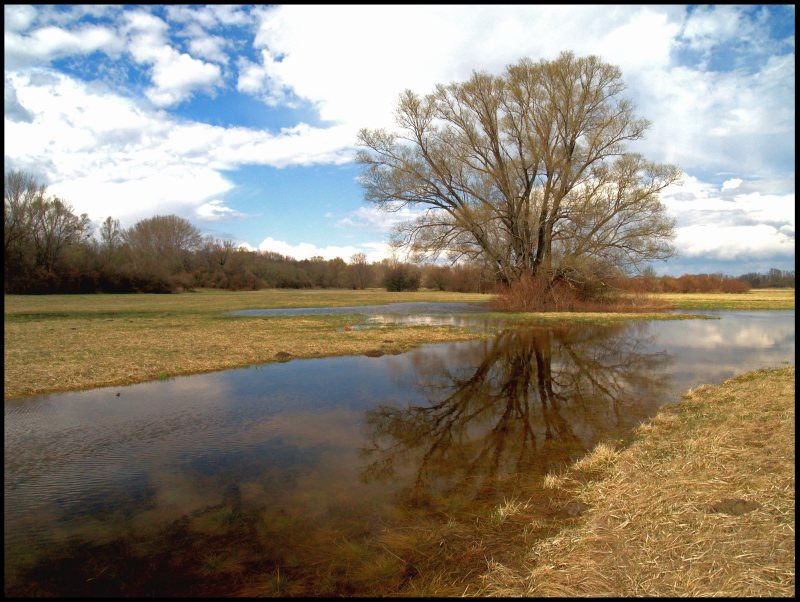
(68, 342)
(702, 504)
(76, 353)
(757, 298)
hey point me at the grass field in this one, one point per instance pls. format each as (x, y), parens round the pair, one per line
(754, 299)
(702, 504)
(67, 342)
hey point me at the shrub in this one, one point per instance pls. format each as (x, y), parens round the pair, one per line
(401, 277)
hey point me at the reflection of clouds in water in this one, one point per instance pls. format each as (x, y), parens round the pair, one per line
(736, 343)
(752, 336)
(175, 495)
(729, 330)
(456, 321)
(334, 428)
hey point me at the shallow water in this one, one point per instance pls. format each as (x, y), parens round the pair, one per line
(307, 477)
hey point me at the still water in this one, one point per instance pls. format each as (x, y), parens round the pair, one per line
(333, 476)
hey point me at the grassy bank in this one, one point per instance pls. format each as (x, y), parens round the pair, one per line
(70, 342)
(702, 504)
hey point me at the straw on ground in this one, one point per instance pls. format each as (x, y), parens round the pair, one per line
(702, 504)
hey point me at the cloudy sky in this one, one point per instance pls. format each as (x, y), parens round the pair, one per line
(243, 119)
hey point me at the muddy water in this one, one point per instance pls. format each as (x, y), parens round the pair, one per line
(338, 476)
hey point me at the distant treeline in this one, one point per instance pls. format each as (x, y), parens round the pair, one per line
(49, 249)
(706, 283)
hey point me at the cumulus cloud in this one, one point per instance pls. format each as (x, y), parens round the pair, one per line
(107, 154)
(743, 243)
(742, 226)
(48, 43)
(13, 109)
(375, 251)
(209, 47)
(303, 55)
(379, 220)
(18, 17)
(216, 210)
(175, 76)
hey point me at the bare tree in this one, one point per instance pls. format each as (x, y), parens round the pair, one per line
(164, 239)
(360, 271)
(56, 227)
(526, 171)
(110, 234)
(21, 189)
(37, 228)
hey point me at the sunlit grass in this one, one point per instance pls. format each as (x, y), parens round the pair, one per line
(213, 301)
(702, 504)
(753, 299)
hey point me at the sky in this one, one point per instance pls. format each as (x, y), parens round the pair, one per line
(243, 119)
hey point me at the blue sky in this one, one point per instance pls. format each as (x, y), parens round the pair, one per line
(243, 119)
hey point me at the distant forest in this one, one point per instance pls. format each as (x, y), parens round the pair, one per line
(49, 249)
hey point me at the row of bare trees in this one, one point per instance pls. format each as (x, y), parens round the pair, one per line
(50, 249)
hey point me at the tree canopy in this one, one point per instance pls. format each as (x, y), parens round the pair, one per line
(526, 171)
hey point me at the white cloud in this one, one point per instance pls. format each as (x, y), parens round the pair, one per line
(745, 226)
(701, 119)
(175, 75)
(209, 47)
(18, 17)
(338, 69)
(375, 251)
(694, 202)
(708, 26)
(210, 16)
(216, 210)
(373, 218)
(49, 43)
(107, 155)
(732, 184)
(745, 243)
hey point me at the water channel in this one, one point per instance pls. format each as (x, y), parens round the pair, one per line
(334, 476)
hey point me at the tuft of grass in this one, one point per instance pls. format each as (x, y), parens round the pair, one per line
(702, 504)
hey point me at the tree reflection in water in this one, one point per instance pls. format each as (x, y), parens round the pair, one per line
(513, 408)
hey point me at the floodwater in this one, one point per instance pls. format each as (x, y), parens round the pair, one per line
(334, 476)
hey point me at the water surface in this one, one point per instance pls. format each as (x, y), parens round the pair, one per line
(322, 476)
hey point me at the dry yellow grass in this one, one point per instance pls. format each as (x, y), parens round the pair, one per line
(212, 300)
(702, 504)
(67, 342)
(769, 298)
(67, 354)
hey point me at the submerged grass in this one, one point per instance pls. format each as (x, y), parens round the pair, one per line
(702, 504)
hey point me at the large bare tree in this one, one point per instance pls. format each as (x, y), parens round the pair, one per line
(527, 171)
(163, 239)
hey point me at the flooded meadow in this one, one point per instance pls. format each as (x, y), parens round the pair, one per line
(349, 475)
